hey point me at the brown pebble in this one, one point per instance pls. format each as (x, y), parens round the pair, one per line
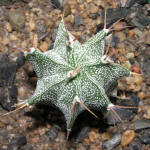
(32, 25)
(93, 136)
(35, 140)
(130, 55)
(1, 39)
(118, 26)
(1, 124)
(141, 95)
(106, 136)
(131, 33)
(44, 47)
(93, 9)
(89, 1)
(138, 80)
(127, 65)
(146, 109)
(127, 137)
(21, 91)
(121, 36)
(35, 40)
(70, 19)
(122, 59)
(8, 27)
(13, 37)
(136, 69)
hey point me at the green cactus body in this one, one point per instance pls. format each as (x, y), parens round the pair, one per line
(73, 74)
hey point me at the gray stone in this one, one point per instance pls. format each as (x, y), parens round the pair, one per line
(27, 147)
(41, 27)
(7, 71)
(82, 134)
(52, 133)
(16, 143)
(58, 3)
(130, 3)
(140, 20)
(145, 137)
(112, 142)
(78, 20)
(141, 124)
(135, 145)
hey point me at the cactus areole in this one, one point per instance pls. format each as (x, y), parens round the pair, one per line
(74, 76)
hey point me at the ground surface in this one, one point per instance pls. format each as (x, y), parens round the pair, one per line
(24, 24)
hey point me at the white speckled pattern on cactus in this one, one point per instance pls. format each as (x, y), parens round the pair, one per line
(91, 84)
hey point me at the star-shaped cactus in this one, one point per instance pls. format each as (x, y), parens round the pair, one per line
(74, 76)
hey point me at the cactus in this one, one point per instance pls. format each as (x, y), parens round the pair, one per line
(74, 76)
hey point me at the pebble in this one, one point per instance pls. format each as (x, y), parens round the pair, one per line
(138, 80)
(136, 69)
(82, 134)
(34, 40)
(119, 26)
(28, 69)
(67, 10)
(5, 40)
(141, 95)
(146, 110)
(131, 33)
(37, 11)
(78, 20)
(70, 19)
(41, 27)
(44, 46)
(127, 137)
(140, 20)
(27, 147)
(20, 59)
(130, 55)
(106, 136)
(8, 27)
(52, 133)
(127, 65)
(112, 142)
(121, 36)
(141, 124)
(93, 16)
(145, 137)
(93, 9)
(16, 143)
(13, 37)
(32, 26)
(93, 136)
(122, 59)
(134, 80)
(145, 38)
(21, 92)
(1, 124)
(58, 3)
(89, 1)
(138, 32)
(8, 97)
(35, 140)
(135, 145)
(17, 20)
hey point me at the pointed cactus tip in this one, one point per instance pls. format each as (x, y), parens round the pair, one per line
(106, 30)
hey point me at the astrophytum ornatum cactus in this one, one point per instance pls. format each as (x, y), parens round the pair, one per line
(74, 77)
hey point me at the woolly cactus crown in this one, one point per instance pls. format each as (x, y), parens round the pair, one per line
(74, 77)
